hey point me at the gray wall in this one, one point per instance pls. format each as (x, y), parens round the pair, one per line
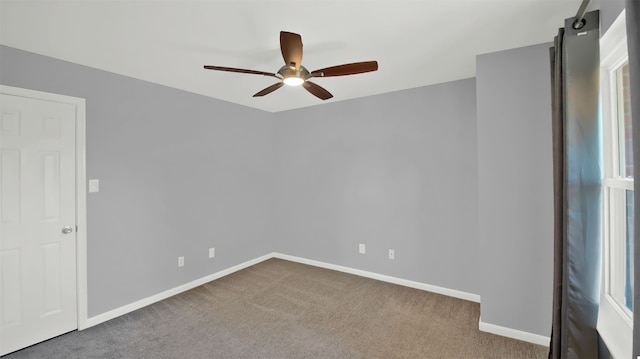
(515, 186)
(407, 170)
(394, 171)
(179, 173)
(609, 11)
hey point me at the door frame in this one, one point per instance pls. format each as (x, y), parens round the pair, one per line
(81, 194)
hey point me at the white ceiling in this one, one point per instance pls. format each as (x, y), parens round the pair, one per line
(416, 43)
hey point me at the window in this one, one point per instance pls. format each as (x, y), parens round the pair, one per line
(618, 190)
(615, 316)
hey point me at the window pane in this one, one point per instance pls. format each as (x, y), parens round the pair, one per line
(628, 287)
(625, 137)
(621, 246)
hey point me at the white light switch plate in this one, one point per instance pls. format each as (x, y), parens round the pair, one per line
(94, 185)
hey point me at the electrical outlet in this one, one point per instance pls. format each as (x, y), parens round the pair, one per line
(180, 261)
(94, 185)
(361, 249)
(212, 252)
(392, 254)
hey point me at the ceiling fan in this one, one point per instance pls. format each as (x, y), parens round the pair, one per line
(294, 74)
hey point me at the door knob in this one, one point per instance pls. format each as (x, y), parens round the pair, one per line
(67, 230)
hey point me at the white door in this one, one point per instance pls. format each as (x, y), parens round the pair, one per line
(38, 221)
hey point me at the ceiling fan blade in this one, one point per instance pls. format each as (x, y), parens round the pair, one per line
(346, 69)
(242, 71)
(269, 89)
(291, 48)
(317, 90)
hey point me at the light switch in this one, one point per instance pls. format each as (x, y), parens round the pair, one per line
(94, 185)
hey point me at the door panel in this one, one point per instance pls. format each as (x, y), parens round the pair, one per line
(37, 199)
(10, 187)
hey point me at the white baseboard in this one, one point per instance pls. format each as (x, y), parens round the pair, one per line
(513, 333)
(485, 327)
(101, 318)
(384, 278)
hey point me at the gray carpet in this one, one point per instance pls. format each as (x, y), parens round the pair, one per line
(280, 309)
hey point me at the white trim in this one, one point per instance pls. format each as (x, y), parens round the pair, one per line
(384, 278)
(81, 214)
(614, 325)
(485, 327)
(619, 183)
(101, 318)
(615, 328)
(614, 42)
(81, 200)
(513, 333)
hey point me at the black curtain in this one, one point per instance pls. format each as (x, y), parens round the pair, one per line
(575, 64)
(633, 45)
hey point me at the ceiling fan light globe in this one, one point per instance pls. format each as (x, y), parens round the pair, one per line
(293, 81)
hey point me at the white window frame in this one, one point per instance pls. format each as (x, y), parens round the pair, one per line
(615, 322)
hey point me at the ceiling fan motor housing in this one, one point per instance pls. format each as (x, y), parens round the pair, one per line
(286, 71)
